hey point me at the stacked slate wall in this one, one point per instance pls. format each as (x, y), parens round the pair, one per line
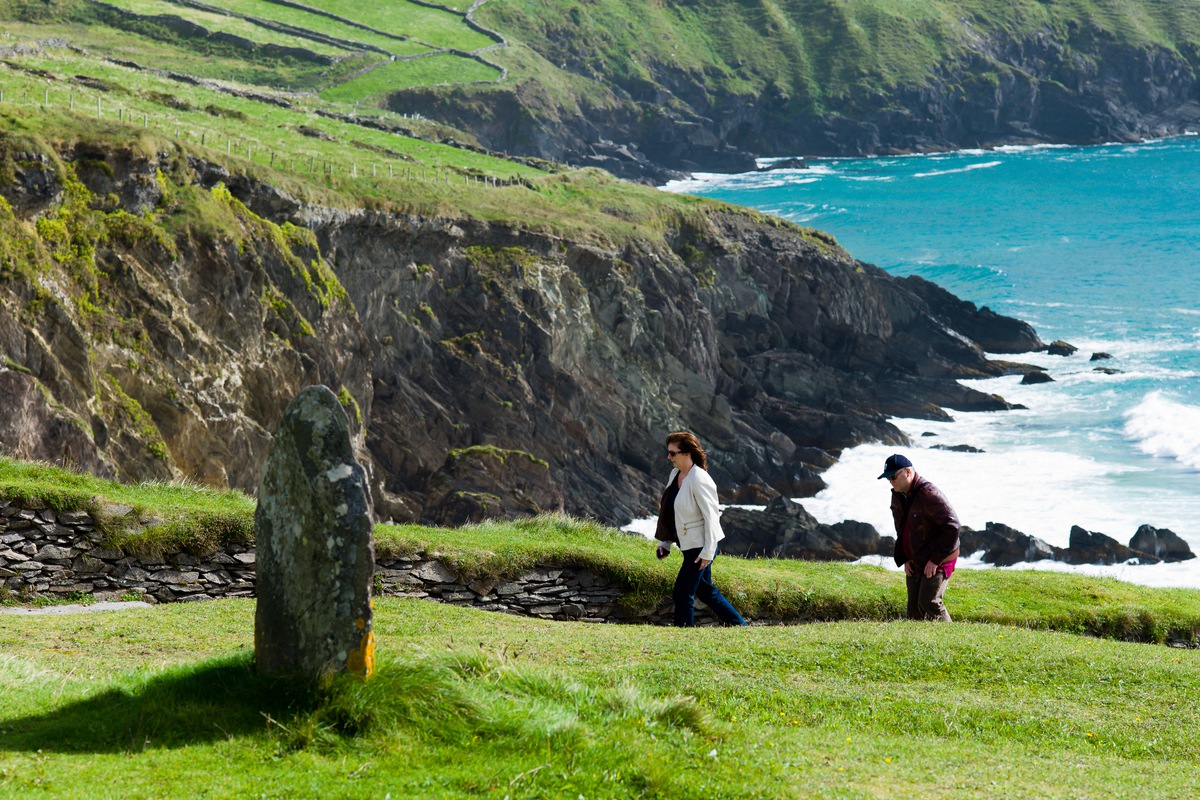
(58, 554)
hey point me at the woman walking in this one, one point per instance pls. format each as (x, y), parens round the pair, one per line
(688, 516)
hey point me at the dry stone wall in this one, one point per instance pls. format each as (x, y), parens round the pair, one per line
(58, 554)
(49, 553)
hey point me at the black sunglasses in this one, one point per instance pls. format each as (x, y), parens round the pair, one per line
(673, 453)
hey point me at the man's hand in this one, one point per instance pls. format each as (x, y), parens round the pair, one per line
(930, 568)
(661, 553)
(908, 568)
(703, 562)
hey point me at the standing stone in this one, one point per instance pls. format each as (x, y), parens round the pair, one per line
(316, 556)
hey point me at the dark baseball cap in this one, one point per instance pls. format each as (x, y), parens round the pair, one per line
(894, 464)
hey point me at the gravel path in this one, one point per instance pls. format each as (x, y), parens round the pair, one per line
(75, 608)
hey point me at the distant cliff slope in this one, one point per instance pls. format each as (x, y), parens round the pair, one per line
(157, 313)
(635, 87)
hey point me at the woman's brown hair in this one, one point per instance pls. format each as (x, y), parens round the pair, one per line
(688, 443)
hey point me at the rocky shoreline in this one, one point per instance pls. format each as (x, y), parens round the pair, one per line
(1007, 91)
(785, 530)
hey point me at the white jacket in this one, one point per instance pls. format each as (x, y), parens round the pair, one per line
(697, 518)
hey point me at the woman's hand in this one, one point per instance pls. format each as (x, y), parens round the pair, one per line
(703, 562)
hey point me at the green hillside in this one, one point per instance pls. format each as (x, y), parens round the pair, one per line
(325, 47)
(813, 54)
(782, 76)
(300, 144)
(471, 704)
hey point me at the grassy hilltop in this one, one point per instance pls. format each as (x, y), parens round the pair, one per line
(471, 704)
(779, 77)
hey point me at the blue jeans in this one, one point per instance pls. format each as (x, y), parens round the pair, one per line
(693, 582)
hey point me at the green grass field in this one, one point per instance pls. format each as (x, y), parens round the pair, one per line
(363, 33)
(200, 519)
(221, 23)
(444, 68)
(51, 98)
(1014, 700)
(163, 702)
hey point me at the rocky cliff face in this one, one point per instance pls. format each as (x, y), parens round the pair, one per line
(134, 352)
(491, 369)
(1001, 91)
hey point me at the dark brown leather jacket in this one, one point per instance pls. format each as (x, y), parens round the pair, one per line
(932, 524)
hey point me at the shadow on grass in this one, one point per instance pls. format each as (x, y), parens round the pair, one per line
(218, 699)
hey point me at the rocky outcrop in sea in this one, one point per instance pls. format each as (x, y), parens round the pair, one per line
(784, 529)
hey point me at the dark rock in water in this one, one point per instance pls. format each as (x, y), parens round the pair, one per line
(805, 482)
(957, 448)
(1060, 348)
(754, 494)
(861, 538)
(1162, 543)
(1106, 370)
(1036, 377)
(787, 163)
(991, 331)
(1100, 356)
(1088, 547)
(315, 554)
(785, 530)
(1005, 546)
(929, 433)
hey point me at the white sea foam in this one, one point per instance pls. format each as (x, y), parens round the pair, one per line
(968, 168)
(1164, 428)
(1026, 148)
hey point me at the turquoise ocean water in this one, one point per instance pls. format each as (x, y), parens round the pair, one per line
(1099, 246)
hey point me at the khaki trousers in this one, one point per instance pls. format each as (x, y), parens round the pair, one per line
(925, 597)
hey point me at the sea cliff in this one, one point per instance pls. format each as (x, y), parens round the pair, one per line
(489, 368)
